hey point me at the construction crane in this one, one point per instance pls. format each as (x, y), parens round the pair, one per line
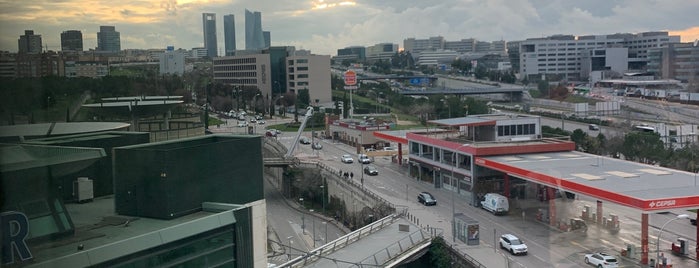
(309, 113)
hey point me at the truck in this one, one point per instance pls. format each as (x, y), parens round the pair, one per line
(495, 203)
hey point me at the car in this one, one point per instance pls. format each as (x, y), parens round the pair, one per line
(270, 133)
(693, 221)
(390, 149)
(363, 159)
(253, 120)
(242, 124)
(513, 244)
(304, 140)
(371, 170)
(601, 260)
(317, 146)
(346, 159)
(241, 118)
(258, 117)
(261, 122)
(427, 199)
(593, 127)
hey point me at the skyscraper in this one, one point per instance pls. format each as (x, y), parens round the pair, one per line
(210, 41)
(108, 39)
(72, 40)
(267, 38)
(29, 43)
(229, 34)
(253, 31)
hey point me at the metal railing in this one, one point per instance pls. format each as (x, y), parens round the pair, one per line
(341, 242)
(396, 249)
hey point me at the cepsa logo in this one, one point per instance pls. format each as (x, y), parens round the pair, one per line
(662, 203)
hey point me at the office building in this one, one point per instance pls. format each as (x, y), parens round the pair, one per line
(560, 56)
(108, 39)
(678, 61)
(172, 62)
(254, 39)
(351, 53)
(198, 52)
(434, 58)
(461, 46)
(193, 215)
(71, 40)
(382, 51)
(268, 38)
(312, 72)
(29, 43)
(229, 34)
(210, 41)
(244, 70)
(415, 46)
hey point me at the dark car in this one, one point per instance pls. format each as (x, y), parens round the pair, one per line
(317, 146)
(304, 140)
(427, 199)
(371, 170)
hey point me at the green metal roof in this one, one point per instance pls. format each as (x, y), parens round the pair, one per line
(15, 157)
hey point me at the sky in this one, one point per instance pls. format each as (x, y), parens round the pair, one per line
(323, 26)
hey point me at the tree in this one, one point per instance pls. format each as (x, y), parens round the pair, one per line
(543, 87)
(304, 98)
(643, 147)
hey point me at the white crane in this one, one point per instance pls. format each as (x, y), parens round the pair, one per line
(309, 113)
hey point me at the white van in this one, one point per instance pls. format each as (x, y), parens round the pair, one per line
(495, 203)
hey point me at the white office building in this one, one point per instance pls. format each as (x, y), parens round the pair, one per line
(561, 56)
(172, 61)
(436, 57)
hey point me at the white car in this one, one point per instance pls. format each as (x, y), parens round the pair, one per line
(346, 159)
(512, 244)
(601, 260)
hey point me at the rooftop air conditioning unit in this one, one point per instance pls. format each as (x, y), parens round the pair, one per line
(83, 190)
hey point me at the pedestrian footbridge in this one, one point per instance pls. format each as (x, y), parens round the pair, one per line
(384, 243)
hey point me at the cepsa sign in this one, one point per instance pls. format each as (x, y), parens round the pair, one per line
(350, 78)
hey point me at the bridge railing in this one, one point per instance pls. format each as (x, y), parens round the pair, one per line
(396, 249)
(341, 242)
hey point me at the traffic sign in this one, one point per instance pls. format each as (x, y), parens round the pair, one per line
(350, 78)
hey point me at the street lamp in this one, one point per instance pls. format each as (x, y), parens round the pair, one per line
(657, 244)
(322, 189)
(314, 229)
(303, 219)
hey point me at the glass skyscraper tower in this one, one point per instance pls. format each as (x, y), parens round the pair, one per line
(210, 43)
(253, 31)
(229, 34)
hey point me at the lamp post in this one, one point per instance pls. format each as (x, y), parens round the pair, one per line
(657, 243)
(322, 200)
(314, 229)
(325, 241)
(454, 158)
(303, 219)
(289, 254)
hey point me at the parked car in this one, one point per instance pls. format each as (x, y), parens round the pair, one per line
(427, 199)
(261, 122)
(271, 133)
(371, 170)
(317, 146)
(513, 244)
(601, 260)
(346, 159)
(253, 120)
(304, 140)
(390, 149)
(593, 127)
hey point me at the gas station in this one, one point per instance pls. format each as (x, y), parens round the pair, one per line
(464, 154)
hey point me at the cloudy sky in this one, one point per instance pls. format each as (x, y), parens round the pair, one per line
(323, 26)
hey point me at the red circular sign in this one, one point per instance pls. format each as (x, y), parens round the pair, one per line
(350, 78)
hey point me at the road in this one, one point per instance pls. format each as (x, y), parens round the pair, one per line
(547, 247)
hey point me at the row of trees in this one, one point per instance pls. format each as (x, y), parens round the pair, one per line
(642, 147)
